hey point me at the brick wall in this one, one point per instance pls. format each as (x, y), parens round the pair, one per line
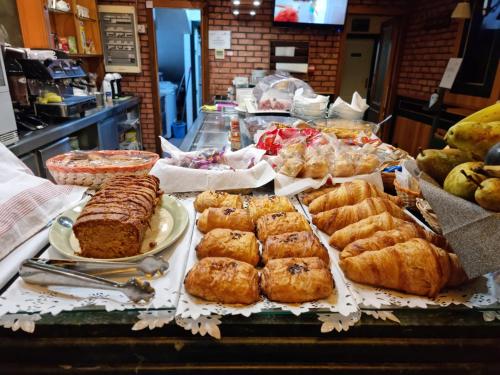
(140, 84)
(427, 48)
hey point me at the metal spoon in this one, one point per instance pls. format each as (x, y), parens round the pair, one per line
(65, 221)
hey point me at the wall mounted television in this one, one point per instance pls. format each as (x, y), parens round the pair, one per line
(310, 12)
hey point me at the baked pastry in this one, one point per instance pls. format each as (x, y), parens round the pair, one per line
(315, 167)
(294, 245)
(112, 224)
(260, 206)
(217, 199)
(296, 280)
(311, 195)
(234, 244)
(387, 238)
(225, 217)
(292, 166)
(343, 166)
(366, 163)
(223, 280)
(281, 222)
(338, 218)
(349, 193)
(365, 228)
(415, 266)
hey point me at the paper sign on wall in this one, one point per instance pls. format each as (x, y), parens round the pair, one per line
(219, 39)
(450, 73)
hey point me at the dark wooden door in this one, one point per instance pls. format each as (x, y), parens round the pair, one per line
(383, 90)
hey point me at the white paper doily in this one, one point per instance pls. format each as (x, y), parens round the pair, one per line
(189, 306)
(477, 293)
(21, 297)
(338, 322)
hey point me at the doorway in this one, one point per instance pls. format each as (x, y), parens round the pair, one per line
(179, 54)
(358, 65)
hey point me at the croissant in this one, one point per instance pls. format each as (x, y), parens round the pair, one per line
(348, 193)
(338, 218)
(294, 245)
(364, 228)
(415, 266)
(387, 238)
(260, 206)
(312, 195)
(224, 217)
(216, 199)
(234, 244)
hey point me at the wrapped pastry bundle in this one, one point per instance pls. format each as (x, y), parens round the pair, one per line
(223, 280)
(296, 280)
(224, 217)
(338, 218)
(347, 164)
(348, 193)
(316, 165)
(291, 158)
(311, 195)
(209, 199)
(234, 244)
(294, 245)
(365, 228)
(281, 222)
(386, 238)
(260, 206)
(415, 266)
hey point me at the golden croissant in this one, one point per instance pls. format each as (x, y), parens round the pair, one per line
(386, 238)
(364, 228)
(338, 218)
(309, 196)
(349, 193)
(415, 266)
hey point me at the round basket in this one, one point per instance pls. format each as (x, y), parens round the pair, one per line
(430, 217)
(389, 177)
(94, 176)
(409, 197)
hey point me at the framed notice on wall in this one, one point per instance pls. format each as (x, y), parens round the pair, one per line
(120, 42)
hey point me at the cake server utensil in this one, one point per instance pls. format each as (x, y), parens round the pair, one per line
(148, 266)
(34, 272)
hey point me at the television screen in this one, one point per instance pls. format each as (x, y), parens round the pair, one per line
(312, 12)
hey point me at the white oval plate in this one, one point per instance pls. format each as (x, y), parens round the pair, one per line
(171, 218)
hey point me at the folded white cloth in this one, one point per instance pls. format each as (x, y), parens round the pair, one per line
(27, 202)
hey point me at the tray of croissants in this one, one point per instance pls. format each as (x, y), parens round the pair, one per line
(257, 251)
(380, 244)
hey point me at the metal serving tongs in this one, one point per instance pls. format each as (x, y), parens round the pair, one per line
(57, 272)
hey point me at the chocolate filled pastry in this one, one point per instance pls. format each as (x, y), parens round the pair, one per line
(223, 280)
(216, 199)
(225, 217)
(260, 206)
(294, 245)
(296, 280)
(234, 244)
(281, 222)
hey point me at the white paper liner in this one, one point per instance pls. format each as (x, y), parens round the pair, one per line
(189, 306)
(29, 298)
(477, 293)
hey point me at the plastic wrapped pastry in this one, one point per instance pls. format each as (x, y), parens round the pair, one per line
(291, 167)
(366, 164)
(260, 206)
(224, 217)
(342, 166)
(296, 280)
(294, 245)
(338, 218)
(217, 199)
(281, 222)
(223, 280)
(234, 244)
(315, 167)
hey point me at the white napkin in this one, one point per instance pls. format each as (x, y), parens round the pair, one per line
(353, 111)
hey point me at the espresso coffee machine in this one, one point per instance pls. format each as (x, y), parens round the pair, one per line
(50, 83)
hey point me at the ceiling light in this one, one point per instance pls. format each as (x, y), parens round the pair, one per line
(462, 10)
(256, 3)
(236, 2)
(253, 13)
(236, 12)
